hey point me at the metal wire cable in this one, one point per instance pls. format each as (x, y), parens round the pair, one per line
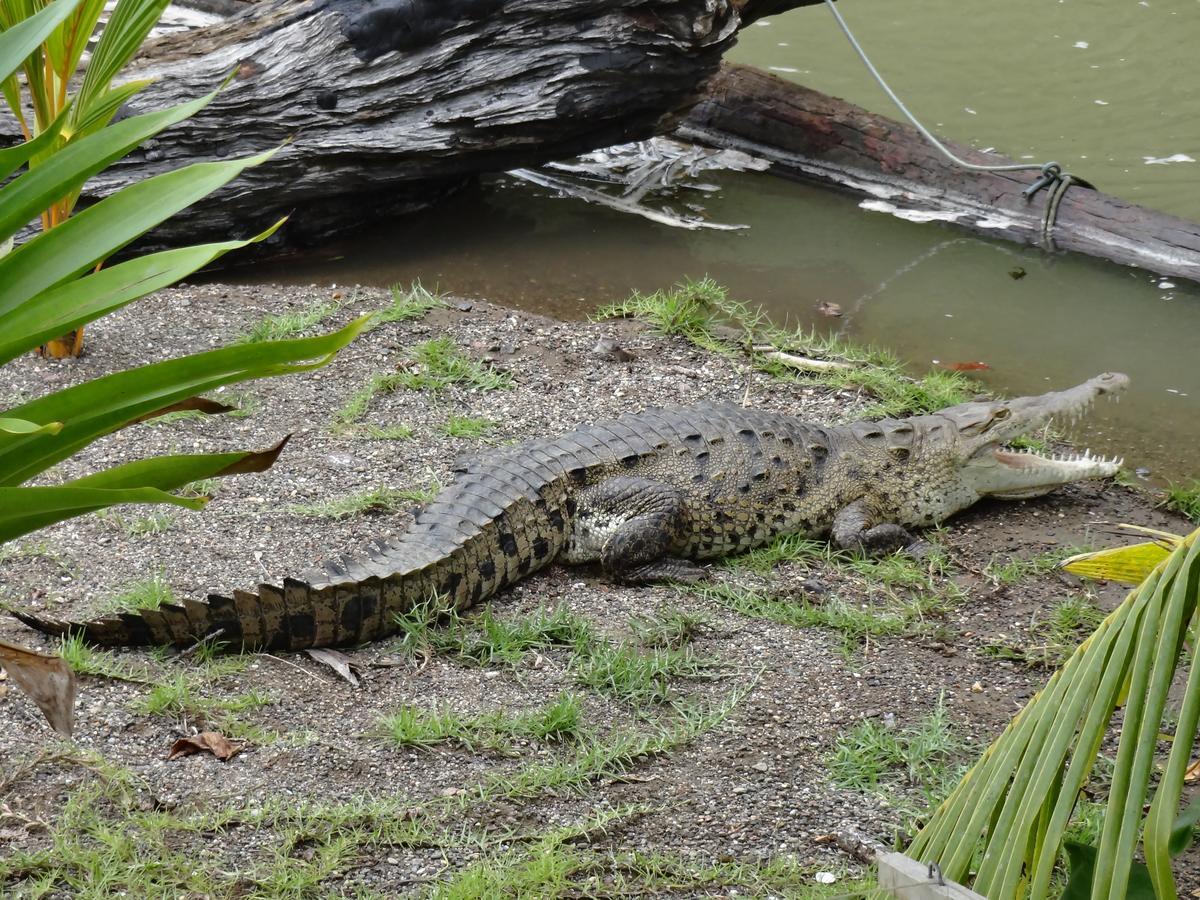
(862, 54)
(1052, 175)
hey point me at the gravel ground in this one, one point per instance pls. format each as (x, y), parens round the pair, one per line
(753, 787)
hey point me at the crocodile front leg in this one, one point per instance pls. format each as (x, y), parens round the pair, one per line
(633, 523)
(852, 530)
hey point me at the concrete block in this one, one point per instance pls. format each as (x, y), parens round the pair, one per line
(905, 877)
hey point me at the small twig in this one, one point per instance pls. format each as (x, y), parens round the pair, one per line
(204, 640)
(311, 675)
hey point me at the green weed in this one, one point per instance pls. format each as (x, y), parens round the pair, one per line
(1184, 499)
(1014, 570)
(853, 624)
(157, 522)
(485, 640)
(413, 303)
(671, 629)
(439, 364)
(146, 593)
(205, 487)
(467, 427)
(288, 325)
(634, 676)
(694, 310)
(410, 726)
(84, 659)
(380, 499)
(183, 694)
(790, 548)
(873, 758)
(1054, 638)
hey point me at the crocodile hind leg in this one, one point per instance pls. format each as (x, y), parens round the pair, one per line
(634, 523)
(853, 530)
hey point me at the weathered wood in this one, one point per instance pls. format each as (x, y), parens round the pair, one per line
(383, 106)
(812, 136)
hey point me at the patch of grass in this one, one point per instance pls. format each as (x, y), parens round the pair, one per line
(702, 312)
(853, 624)
(611, 756)
(1184, 499)
(467, 427)
(485, 640)
(157, 522)
(789, 548)
(183, 694)
(561, 720)
(631, 675)
(438, 365)
(873, 371)
(896, 570)
(205, 487)
(288, 325)
(899, 395)
(694, 310)
(110, 839)
(1054, 638)
(411, 726)
(145, 593)
(872, 758)
(84, 659)
(442, 364)
(671, 629)
(27, 549)
(560, 862)
(1004, 573)
(380, 499)
(413, 303)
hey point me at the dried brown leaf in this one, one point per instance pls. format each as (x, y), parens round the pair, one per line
(48, 681)
(205, 742)
(1192, 773)
(339, 662)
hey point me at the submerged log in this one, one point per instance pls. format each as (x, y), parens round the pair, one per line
(386, 105)
(814, 137)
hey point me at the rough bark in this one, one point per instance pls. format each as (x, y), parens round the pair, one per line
(386, 105)
(814, 137)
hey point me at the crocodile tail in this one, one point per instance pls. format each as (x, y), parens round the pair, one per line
(291, 617)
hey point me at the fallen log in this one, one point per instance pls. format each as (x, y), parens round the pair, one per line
(384, 106)
(811, 136)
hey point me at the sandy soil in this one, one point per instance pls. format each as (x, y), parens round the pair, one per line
(753, 787)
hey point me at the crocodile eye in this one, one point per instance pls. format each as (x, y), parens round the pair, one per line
(998, 416)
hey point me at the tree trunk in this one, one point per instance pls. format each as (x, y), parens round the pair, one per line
(384, 106)
(811, 136)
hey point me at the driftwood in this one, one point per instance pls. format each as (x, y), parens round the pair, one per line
(811, 136)
(383, 106)
(386, 106)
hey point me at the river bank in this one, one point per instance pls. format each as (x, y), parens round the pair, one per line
(702, 742)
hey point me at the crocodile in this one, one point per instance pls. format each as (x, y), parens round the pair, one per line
(647, 496)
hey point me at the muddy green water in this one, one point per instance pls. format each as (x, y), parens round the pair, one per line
(1104, 88)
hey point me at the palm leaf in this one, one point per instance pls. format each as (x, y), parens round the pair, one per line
(75, 303)
(1010, 812)
(104, 405)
